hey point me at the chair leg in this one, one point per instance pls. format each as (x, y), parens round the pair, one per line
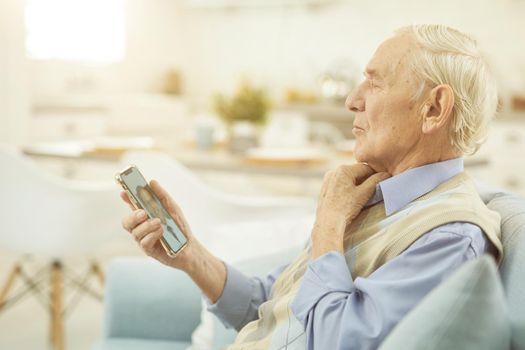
(97, 270)
(56, 307)
(9, 283)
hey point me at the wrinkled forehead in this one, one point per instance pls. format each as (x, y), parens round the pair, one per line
(391, 57)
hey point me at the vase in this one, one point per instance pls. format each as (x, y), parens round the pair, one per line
(243, 135)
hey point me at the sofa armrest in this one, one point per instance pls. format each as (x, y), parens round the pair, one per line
(145, 299)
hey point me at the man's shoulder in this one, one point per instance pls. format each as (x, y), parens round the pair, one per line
(453, 232)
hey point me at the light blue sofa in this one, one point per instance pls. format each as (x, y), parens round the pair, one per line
(149, 306)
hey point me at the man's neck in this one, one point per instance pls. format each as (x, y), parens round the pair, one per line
(417, 159)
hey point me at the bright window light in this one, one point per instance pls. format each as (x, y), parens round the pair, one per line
(76, 30)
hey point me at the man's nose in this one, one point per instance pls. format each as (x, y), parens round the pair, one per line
(355, 101)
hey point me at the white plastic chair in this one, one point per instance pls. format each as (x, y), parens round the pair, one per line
(233, 226)
(46, 216)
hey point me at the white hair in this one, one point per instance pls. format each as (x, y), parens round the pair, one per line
(448, 56)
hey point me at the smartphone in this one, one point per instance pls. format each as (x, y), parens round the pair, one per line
(142, 197)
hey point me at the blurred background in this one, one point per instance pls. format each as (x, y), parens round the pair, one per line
(245, 96)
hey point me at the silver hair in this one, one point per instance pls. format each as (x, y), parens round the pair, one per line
(448, 56)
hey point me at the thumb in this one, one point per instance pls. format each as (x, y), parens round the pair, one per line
(369, 184)
(161, 194)
(170, 206)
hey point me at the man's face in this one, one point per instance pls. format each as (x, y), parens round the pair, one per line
(387, 123)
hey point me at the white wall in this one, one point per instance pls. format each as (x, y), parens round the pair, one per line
(14, 98)
(292, 46)
(282, 47)
(3, 71)
(151, 50)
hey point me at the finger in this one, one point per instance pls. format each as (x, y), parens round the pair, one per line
(125, 198)
(162, 195)
(361, 171)
(170, 205)
(326, 180)
(367, 188)
(148, 242)
(369, 185)
(134, 219)
(145, 228)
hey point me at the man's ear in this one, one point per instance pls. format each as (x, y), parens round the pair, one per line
(437, 110)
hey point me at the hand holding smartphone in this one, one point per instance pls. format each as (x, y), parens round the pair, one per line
(141, 195)
(206, 270)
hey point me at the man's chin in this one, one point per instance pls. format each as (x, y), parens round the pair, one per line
(359, 155)
(362, 157)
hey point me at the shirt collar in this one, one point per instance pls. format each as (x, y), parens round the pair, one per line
(397, 191)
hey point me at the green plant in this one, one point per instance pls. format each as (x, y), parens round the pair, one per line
(248, 104)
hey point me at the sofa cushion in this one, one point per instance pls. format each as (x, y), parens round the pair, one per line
(145, 299)
(512, 269)
(222, 336)
(468, 311)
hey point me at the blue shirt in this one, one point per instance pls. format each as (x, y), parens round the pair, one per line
(340, 312)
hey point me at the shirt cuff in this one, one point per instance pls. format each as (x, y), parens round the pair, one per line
(327, 274)
(233, 304)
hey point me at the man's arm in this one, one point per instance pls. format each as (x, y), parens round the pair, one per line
(242, 296)
(339, 312)
(206, 270)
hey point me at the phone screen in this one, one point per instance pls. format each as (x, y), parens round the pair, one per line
(142, 192)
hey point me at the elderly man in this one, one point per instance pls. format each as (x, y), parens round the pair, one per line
(387, 230)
